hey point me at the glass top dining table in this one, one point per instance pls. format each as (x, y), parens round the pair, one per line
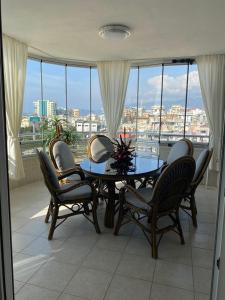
(142, 167)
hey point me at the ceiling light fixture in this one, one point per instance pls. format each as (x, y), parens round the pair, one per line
(114, 32)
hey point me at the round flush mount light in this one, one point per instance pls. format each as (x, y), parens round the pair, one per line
(114, 32)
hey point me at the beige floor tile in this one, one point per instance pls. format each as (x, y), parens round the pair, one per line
(33, 227)
(200, 296)
(42, 246)
(17, 286)
(137, 266)
(204, 241)
(112, 242)
(202, 258)
(163, 292)
(70, 297)
(102, 259)
(175, 252)
(138, 247)
(126, 288)
(89, 284)
(202, 280)
(24, 266)
(54, 275)
(176, 275)
(20, 241)
(30, 292)
(71, 255)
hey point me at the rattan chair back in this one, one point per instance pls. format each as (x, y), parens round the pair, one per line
(100, 148)
(172, 184)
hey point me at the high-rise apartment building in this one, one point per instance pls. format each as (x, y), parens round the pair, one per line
(45, 108)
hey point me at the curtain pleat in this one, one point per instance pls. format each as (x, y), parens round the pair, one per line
(113, 78)
(15, 59)
(211, 70)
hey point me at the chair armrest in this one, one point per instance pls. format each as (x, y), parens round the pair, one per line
(71, 171)
(73, 187)
(134, 192)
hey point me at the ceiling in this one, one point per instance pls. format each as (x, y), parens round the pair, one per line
(161, 28)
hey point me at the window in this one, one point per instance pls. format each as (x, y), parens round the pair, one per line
(30, 130)
(163, 103)
(173, 102)
(98, 124)
(196, 127)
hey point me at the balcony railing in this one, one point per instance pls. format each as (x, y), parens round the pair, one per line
(145, 142)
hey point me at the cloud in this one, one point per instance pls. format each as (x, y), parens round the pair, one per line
(174, 86)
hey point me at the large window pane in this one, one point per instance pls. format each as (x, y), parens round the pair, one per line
(78, 103)
(30, 131)
(98, 123)
(52, 109)
(173, 109)
(196, 128)
(148, 122)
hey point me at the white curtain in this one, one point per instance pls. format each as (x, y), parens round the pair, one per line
(15, 58)
(211, 70)
(113, 77)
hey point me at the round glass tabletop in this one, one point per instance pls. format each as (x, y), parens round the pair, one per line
(141, 166)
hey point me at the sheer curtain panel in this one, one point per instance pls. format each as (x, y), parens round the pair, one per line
(113, 77)
(211, 70)
(15, 58)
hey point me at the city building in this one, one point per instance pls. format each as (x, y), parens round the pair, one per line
(45, 108)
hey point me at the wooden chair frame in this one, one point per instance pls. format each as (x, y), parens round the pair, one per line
(152, 180)
(151, 211)
(76, 206)
(189, 205)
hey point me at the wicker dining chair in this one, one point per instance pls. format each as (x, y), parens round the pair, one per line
(63, 161)
(154, 204)
(181, 148)
(74, 197)
(100, 148)
(188, 204)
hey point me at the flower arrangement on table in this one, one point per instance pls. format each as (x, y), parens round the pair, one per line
(123, 154)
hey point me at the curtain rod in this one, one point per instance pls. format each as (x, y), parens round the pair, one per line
(84, 63)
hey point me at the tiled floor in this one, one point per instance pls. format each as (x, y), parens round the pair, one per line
(78, 264)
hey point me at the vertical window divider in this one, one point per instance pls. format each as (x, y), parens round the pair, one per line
(138, 79)
(90, 129)
(42, 104)
(161, 100)
(186, 95)
(66, 95)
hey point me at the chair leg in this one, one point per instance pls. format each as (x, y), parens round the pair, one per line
(48, 212)
(154, 242)
(94, 214)
(54, 220)
(180, 228)
(120, 216)
(193, 211)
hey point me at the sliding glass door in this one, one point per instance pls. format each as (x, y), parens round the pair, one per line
(6, 270)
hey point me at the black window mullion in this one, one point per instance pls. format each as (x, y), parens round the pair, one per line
(42, 104)
(138, 81)
(186, 95)
(90, 103)
(161, 101)
(66, 94)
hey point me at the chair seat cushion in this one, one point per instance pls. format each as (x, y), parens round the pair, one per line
(146, 193)
(82, 192)
(74, 177)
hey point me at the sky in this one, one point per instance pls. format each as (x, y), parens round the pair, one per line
(78, 86)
